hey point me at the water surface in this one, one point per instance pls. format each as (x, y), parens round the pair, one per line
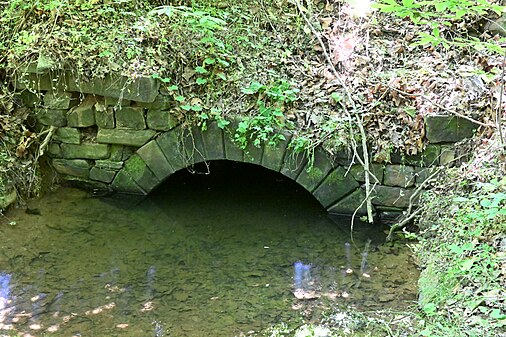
(204, 255)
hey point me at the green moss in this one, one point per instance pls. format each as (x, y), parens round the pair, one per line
(136, 167)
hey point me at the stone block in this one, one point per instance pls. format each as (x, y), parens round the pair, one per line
(161, 102)
(422, 174)
(142, 89)
(103, 175)
(335, 186)
(130, 118)
(293, 164)
(171, 146)
(116, 102)
(392, 196)
(85, 151)
(82, 115)
(51, 117)
(154, 158)
(253, 154)
(232, 150)
(399, 175)
(68, 135)
(314, 173)
(54, 150)
(193, 148)
(273, 156)
(427, 157)
(124, 137)
(350, 203)
(213, 142)
(109, 165)
(161, 120)
(448, 129)
(72, 167)
(104, 117)
(57, 100)
(357, 172)
(39, 82)
(140, 173)
(125, 184)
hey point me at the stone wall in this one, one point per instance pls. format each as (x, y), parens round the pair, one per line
(121, 135)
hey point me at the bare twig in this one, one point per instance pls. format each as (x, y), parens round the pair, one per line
(358, 118)
(498, 115)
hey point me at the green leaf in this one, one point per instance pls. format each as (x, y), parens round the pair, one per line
(497, 314)
(186, 107)
(467, 264)
(201, 81)
(179, 98)
(209, 61)
(173, 88)
(222, 123)
(460, 199)
(197, 108)
(201, 70)
(336, 97)
(221, 76)
(253, 88)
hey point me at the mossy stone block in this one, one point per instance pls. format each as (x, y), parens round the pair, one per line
(273, 155)
(293, 164)
(171, 145)
(399, 175)
(350, 203)
(72, 167)
(130, 118)
(51, 117)
(253, 154)
(161, 102)
(154, 158)
(54, 150)
(68, 135)
(161, 120)
(357, 171)
(104, 117)
(335, 186)
(193, 148)
(448, 129)
(103, 175)
(124, 183)
(124, 136)
(85, 151)
(213, 142)
(314, 173)
(390, 196)
(57, 100)
(82, 115)
(140, 173)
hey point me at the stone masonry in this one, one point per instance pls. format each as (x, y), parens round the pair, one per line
(121, 135)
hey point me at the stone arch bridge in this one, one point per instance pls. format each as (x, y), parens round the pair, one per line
(121, 135)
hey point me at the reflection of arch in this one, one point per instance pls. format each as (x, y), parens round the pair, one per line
(177, 149)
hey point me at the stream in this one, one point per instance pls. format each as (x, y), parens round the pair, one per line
(223, 254)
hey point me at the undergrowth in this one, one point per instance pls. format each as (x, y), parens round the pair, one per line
(462, 248)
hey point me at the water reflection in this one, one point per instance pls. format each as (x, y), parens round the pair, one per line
(197, 259)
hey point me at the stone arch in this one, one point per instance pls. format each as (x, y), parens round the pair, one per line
(179, 148)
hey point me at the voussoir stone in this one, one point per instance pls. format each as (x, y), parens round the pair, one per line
(392, 196)
(213, 142)
(350, 203)
(124, 136)
(273, 155)
(161, 120)
(154, 158)
(140, 173)
(314, 172)
(335, 186)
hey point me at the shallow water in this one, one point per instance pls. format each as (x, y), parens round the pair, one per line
(204, 255)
